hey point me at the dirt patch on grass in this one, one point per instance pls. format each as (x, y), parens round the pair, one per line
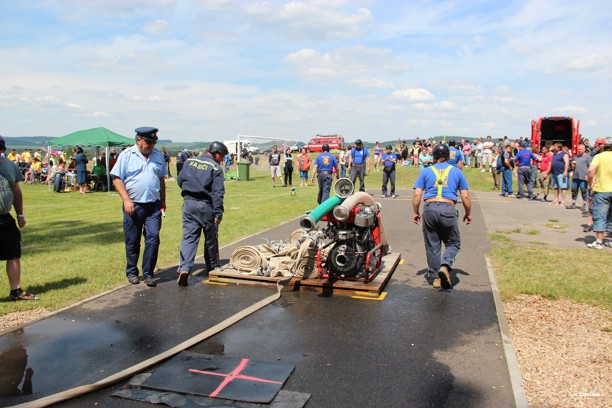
(563, 350)
(22, 317)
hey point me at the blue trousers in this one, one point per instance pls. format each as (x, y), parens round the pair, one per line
(358, 171)
(342, 170)
(325, 182)
(440, 226)
(388, 176)
(506, 181)
(146, 221)
(524, 177)
(581, 185)
(198, 217)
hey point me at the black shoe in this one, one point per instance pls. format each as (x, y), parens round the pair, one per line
(134, 280)
(151, 282)
(588, 228)
(183, 278)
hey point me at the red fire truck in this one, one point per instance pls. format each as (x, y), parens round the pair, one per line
(315, 144)
(552, 129)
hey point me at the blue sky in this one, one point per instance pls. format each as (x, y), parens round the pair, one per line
(375, 70)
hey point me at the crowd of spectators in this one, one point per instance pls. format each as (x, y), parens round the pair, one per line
(72, 167)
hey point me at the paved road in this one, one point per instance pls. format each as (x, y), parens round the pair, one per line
(417, 347)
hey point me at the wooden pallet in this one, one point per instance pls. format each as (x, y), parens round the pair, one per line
(326, 286)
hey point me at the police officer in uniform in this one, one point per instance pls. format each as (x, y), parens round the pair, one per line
(139, 177)
(438, 185)
(201, 182)
(358, 158)
(324, 167)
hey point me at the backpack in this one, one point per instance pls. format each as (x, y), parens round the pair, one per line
(59, 184)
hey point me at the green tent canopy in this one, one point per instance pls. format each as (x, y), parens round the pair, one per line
(98, 137)
(92, 137)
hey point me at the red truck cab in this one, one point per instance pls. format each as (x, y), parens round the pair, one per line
(315, 144)
(552, 129)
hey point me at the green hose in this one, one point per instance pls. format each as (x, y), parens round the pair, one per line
(310, 220)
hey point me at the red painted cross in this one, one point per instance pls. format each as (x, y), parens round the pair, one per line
(235, 374)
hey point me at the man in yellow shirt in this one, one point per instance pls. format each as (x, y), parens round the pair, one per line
(600, 182)
(26, 156)
(12, 156)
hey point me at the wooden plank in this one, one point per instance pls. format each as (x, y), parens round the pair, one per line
(230, 275)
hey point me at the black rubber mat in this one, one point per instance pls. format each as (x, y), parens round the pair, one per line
(237, 379)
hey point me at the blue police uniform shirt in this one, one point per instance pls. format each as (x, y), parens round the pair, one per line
(385, 159)
(455, 156)
(325, 162)
(359, 155)
(140, 176)
(524, 157)
(427, 182)
(202, 179)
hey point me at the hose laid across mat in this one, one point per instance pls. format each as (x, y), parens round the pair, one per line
(131, 371)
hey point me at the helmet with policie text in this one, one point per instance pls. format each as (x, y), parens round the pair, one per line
(440, 151)
(218, 147)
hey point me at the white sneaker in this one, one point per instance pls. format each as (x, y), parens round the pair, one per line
(482, 171)
(595, 245)
(490, 171)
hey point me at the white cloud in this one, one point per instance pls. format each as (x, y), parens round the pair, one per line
(444, 105)
(357, 63)
(99, 114)
(414, 94)
(503, 99)
(157, 27)
(489, 125)
(73, 105)
(571, 108)
(588, 63)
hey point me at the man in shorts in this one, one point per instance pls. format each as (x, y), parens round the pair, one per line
(559, 173)
(274, 159)
(10, 236)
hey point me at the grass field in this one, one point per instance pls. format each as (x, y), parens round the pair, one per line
(73, 244)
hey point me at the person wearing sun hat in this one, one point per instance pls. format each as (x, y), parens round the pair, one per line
(10, 234)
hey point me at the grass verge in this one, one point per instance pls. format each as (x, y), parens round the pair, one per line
(581, 275)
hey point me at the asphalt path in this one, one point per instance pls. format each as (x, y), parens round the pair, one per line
(417, 346)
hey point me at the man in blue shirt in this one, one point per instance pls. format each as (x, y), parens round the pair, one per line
(202, 188)
(139, 178)
(455, 157)
(388, 159)
(324, 167)
(358, 158)
(438, 185)
(523, 161)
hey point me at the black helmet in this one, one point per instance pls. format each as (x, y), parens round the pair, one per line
(218, 147)
(452, 142)
(440, 151)
(325, 148)
(389, 147)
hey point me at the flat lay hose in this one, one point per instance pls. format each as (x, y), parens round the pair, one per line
(131, 371)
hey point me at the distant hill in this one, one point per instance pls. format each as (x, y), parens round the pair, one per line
(21, 142)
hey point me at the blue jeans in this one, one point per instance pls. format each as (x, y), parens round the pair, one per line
(506, 181)
(342, 170)
(581, 185)
(602, 211)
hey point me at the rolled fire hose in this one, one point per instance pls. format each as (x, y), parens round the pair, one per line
(248, 258)
(342, 211)
(309, 221)
(131, 371)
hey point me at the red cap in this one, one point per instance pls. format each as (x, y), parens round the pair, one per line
(599, 141)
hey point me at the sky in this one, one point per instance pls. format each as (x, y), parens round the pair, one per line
(375, 70)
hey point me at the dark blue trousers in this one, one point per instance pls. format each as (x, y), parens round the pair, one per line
(358, 171)
(388, 176)
(146, 221)
(325, 182)
(198, 217)
(440, 226)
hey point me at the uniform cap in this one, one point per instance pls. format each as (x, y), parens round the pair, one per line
(358, 142)
(389, 147)
(147, 133)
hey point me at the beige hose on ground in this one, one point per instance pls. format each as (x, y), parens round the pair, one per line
(131, 371)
